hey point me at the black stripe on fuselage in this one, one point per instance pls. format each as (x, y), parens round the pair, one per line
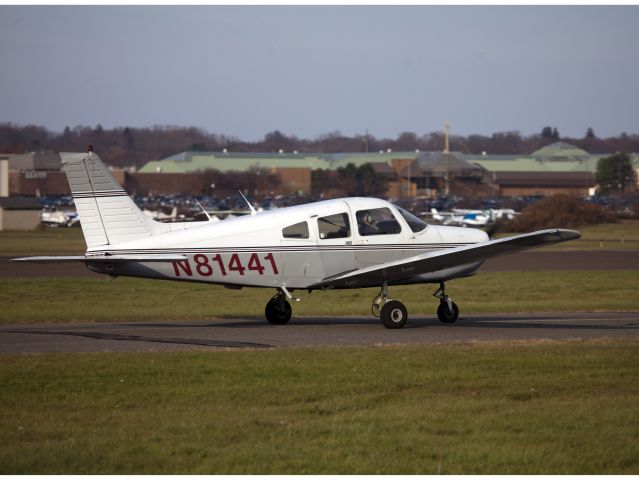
(278, 248)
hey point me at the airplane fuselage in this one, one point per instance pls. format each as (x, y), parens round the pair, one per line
(294, 247)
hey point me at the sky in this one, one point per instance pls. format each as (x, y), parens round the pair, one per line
(307, 71)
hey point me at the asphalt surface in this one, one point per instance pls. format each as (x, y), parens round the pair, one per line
(305, 332)
(256, 333)
(531, 261)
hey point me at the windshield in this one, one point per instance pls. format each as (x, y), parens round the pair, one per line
(415, 224)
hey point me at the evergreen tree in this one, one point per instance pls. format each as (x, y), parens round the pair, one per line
(615, 173)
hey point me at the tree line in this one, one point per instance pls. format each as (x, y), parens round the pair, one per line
(128, 146)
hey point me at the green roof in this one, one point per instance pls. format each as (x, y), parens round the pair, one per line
(188, 162)
(557, 157)
(358, 159)
(529, 164)
(560, 149)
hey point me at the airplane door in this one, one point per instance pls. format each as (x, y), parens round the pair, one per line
(379, 237)
(335, 242)
(301, 262)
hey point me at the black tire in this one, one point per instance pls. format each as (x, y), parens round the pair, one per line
(275, 314)
(445, 315)
(393, 314)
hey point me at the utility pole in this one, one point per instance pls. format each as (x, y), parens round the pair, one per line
(366, 141)
(446, 155)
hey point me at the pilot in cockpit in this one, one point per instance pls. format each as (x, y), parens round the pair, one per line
(366, 223)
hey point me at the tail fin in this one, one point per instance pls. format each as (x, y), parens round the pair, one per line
(108, 215)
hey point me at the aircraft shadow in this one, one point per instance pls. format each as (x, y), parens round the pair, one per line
(145, 338)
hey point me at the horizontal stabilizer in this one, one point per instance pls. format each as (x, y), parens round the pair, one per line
(105, 258)
(80, 258)
(136, 258)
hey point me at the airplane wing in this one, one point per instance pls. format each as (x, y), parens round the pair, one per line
(105, 258)
(443, 259)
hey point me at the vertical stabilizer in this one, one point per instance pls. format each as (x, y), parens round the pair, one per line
(108, 215)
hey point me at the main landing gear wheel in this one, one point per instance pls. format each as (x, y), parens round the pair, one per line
(448, 311)
(391, 312)
(278, 311)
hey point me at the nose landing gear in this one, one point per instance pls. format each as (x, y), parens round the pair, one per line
(448, 311)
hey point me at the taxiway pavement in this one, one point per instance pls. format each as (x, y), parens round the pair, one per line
(306, 332)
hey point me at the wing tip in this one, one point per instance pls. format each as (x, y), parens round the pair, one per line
(566, 234)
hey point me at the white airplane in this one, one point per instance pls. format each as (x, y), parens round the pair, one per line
(58, 218)
(160, 215)
(471, 218)
(342, 243)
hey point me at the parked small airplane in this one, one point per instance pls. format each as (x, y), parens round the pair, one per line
(342, 243)
(471, 218)
(161, 216)
(53, 217)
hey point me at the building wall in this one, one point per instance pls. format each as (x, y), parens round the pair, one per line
(515, 191)
(401, 189)
(19, 219)
(39, 182)
(31, 183)
(4, 178)
(167, 183)
(294, 180)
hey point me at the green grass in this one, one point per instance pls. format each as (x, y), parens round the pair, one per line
(42, 300)
(49, 241)
(504, 408)
(608, 236)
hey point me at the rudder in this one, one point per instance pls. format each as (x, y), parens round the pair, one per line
(108, 215)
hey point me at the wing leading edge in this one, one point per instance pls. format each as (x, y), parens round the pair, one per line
(445, 259)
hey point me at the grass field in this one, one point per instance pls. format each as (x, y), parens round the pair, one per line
(484, 408)
(609, 236)
(49, 241)
(559, 408)
(69, 241)
(43, 300)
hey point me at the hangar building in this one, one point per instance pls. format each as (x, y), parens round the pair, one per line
(556, 168)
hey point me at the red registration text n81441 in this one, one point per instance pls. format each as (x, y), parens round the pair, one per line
(206, 266)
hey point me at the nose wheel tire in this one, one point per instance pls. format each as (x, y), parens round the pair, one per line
(393, 314)
(278, 311)
(446, 314)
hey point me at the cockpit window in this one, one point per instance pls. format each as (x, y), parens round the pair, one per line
(334, 226)
(377, 221)
(299, 230)
(415, 224)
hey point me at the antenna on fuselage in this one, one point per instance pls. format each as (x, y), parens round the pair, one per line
(205, 212)
(253, 212)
